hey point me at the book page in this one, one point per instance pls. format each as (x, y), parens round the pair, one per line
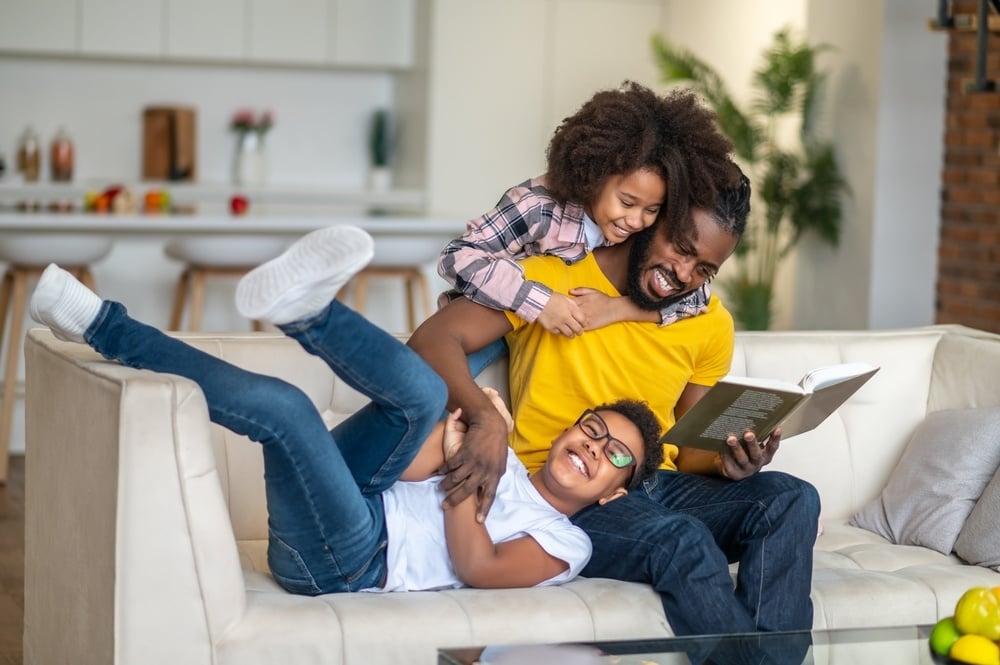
(750, 409)
(822, 377)
(823, 402)
(767, 384)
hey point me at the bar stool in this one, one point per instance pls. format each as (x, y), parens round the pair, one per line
(26, 257)
(414, 282)
(398, 258)
(214, 256)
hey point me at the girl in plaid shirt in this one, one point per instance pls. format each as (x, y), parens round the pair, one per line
(622, 162)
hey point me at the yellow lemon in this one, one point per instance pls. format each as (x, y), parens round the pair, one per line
(978, 612)
(943, 635)
(975, 650)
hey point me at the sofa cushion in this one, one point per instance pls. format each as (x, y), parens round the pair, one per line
(979, 540)
(946, 466)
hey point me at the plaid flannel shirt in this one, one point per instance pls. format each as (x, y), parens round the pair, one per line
(527, 221)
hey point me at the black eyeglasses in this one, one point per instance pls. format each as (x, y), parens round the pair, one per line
(619, 454)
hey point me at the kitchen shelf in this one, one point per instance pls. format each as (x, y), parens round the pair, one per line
(409, 200)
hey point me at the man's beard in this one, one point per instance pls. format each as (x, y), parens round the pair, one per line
(637, 256)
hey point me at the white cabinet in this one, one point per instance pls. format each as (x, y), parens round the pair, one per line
(213, 30)
(43, 26)
(289, 31)
(121, 27)
(373, 32)
(349, 33)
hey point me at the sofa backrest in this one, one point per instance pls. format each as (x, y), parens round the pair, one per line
(848, 458)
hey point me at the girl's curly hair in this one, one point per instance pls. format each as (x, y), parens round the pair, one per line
(619, 131)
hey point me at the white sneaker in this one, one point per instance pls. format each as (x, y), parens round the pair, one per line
(63, 304)
(306, 277)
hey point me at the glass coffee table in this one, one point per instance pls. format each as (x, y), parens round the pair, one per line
(903, 645)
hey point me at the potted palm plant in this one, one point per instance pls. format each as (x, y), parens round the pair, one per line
(797, 188)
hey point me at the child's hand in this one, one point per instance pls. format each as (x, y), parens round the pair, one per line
(597, 307)
(562, 316)
(600, 309)
(454, 434)
(501, 407)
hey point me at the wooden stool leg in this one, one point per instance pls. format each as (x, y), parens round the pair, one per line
(425, 293)
(180, 295)
(347, 288)
(197, 297)
(10, 370)
(5, 290)
(360, 292)
(5, 287)
(87, 278)
(411, 305)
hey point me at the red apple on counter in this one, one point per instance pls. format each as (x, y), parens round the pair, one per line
(239, 204)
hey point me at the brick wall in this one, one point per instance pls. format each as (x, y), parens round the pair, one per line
(968, 280)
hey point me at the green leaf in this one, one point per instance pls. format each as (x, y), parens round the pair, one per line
(816, 202)
(677, 64)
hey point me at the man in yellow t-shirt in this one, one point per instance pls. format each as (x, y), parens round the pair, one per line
(551, 375)
(678, 531)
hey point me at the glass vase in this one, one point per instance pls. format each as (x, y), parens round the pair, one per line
(250, 163)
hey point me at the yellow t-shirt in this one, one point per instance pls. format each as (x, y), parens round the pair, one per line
(554, 378)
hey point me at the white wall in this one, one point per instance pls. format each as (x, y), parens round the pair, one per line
(886, 116)
(321, 116)
(832, 285)
(504, 74)
(908, 174)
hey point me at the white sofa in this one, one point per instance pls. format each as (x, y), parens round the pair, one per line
(146, 525)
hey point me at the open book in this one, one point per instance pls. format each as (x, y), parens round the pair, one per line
(737, 404)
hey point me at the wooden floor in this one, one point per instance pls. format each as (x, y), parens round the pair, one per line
(12, 564)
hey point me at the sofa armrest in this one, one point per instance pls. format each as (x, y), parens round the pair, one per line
(135, 564)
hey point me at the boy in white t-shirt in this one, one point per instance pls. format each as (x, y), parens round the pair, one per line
(338, 520)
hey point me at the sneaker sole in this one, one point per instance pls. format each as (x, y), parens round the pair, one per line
(333, 254)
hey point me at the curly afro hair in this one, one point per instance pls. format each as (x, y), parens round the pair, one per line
(620, 131)
(649, 428)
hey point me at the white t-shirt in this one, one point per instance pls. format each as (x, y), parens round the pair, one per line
(417, 553)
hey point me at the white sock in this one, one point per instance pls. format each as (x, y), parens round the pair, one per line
(63, 304)
(306, 277)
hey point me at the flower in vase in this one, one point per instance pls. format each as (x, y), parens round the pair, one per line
(245, 120)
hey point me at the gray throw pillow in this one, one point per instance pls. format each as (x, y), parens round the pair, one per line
(979, 540)
(946, 465)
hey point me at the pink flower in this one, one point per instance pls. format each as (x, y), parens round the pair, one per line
(245, 120)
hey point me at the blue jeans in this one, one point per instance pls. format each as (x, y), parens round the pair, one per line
(486, 356)
(680, 532)
(326, 522)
